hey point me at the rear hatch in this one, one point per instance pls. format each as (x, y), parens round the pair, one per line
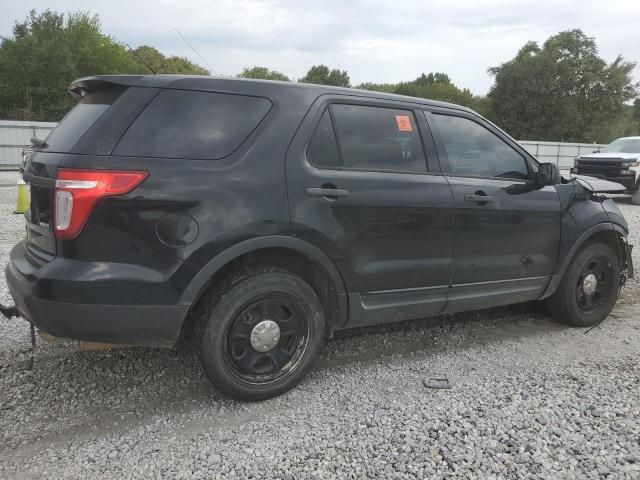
(92, 128)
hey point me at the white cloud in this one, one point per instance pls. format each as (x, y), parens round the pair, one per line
(377, 41)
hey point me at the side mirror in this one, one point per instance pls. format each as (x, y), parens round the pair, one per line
(548, 174)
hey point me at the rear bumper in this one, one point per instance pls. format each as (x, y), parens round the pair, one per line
(154, 325)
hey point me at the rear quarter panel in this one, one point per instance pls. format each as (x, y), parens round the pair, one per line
(223, 201)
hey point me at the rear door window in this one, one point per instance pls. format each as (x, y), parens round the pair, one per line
(371, 139)
(190, 124)
(76, 123)
(323, 149)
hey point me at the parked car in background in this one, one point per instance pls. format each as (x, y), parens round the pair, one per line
(618, 162)
(260, 217)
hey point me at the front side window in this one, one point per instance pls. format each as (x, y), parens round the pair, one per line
(191, 124)
(369, 139)
(473, 150)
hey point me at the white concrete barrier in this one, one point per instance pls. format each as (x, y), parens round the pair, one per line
(15, 135)
(562, 154)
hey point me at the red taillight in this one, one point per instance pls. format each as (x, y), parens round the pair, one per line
(78, 191)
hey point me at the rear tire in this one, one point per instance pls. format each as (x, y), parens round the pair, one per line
(589, 289)
(259, 333)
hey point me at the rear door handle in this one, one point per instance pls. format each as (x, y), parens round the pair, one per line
(478, 198)
(326, 192)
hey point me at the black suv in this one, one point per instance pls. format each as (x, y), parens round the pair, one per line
(264, 216)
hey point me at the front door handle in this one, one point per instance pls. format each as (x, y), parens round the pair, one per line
(479, 198)
(331, 193)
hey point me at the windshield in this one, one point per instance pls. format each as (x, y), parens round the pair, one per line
(623, 145)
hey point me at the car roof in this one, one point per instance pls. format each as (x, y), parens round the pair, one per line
(628, 138)
(200, 82)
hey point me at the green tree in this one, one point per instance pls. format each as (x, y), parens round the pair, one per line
(378, 87)
(434, 86)
(562, 91)
(159, 63)
(321, 75)
(623, 125)
(635, 115)
(46, 53)
(263, 73)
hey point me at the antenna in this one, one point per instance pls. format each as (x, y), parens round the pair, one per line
(140, 59)
(196, 52)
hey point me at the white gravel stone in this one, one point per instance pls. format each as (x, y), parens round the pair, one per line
(529, 398)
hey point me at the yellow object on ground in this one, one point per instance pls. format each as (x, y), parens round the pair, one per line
(22, 202)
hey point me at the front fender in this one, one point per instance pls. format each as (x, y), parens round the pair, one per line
(582, 239)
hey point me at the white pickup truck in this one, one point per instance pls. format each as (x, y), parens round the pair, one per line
(617, 162)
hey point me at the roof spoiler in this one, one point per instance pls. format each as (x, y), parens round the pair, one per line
(79, 88)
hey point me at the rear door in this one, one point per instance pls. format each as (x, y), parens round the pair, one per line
(507, 228)
(365, 187)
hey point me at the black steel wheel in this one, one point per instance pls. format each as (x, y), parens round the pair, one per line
(260, 333)
(267, 338)
(595, 283)
(589, 289)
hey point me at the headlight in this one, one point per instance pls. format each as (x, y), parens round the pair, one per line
(632, 164)
(575, 162)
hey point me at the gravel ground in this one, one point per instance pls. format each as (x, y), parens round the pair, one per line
(529, 398)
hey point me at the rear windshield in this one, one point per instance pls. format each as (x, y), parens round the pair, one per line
(190, 124)
(76, 123)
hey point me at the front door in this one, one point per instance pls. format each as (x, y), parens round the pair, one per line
(364, 187)
(507, 229)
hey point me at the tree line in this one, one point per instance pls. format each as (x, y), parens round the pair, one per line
(561, 90)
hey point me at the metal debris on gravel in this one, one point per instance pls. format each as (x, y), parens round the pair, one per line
(438, 383)
(532, 398)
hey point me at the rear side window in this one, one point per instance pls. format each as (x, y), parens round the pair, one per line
(197, 125)
(76, 123)
(369, 138)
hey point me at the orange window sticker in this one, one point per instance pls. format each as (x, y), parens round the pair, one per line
(404, 124)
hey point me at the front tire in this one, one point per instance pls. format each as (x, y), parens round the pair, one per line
(589, 289)
(260, 333)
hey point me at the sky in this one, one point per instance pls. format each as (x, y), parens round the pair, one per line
(379, 41)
